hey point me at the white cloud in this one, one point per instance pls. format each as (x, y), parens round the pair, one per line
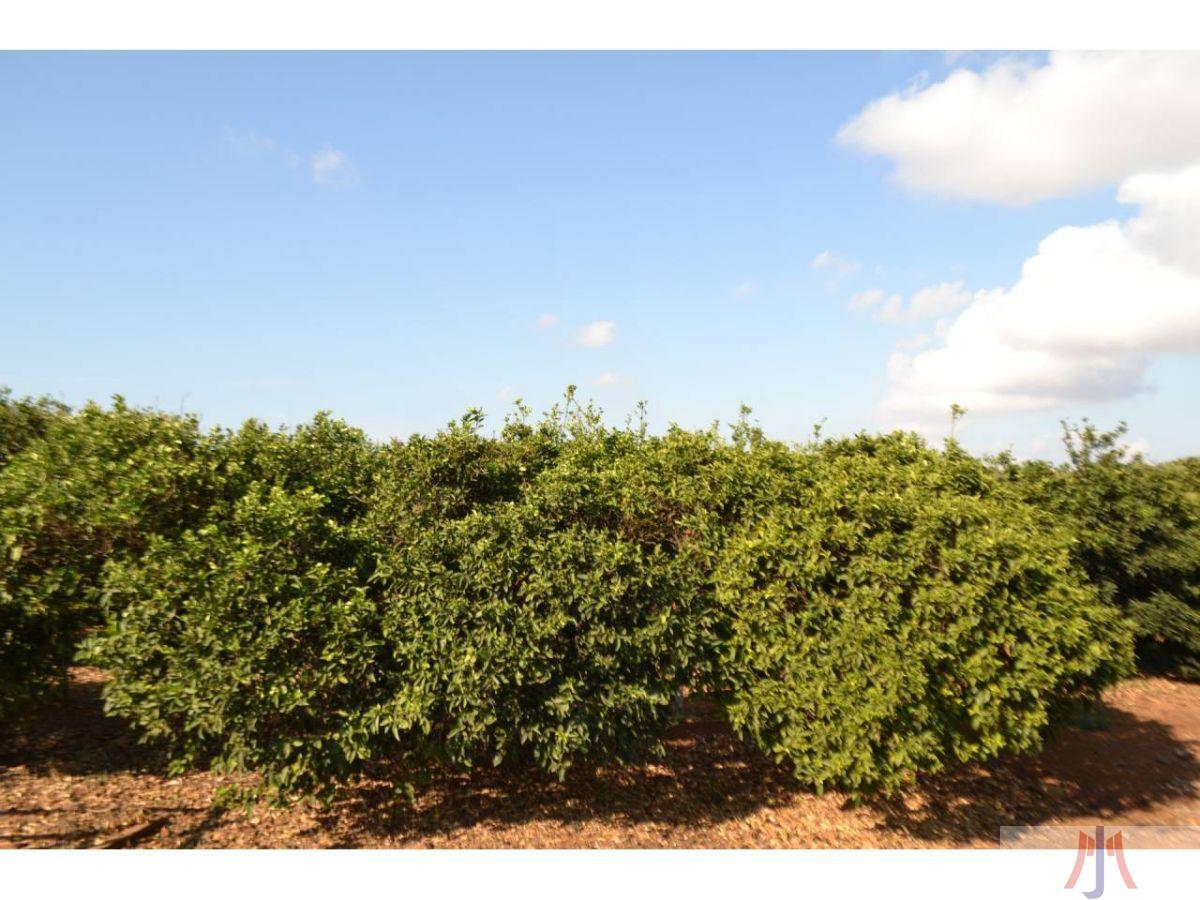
(508, 392)
(927, 303)
(831, 259)
(1169, 204)
(597, 334)
(836, 265)
(745, 289)
(913, 342)
(891, 310)
(865, 299)
(331, 166)
(1018, 132)
(547, 320)
(327, 166)
(248, 143)
(610, 379)
(1088, 314)
(937, 300)
(883, 308)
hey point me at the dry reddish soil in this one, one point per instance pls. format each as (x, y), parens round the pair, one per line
(69, 777)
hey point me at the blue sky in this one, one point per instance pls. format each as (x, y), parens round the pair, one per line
(378, 234)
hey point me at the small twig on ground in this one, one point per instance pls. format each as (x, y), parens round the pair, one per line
(132, 834)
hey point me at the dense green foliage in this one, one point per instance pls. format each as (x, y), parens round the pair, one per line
(24, 420)
(83, 489)
(250, 641)
(554, 616)
(907, 612)
(298, 602)
(1137, 536)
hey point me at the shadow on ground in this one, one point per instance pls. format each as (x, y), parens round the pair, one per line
(71, 735)
(1129, 766)
(1137, 768)
(1125, 772)
(706, 778)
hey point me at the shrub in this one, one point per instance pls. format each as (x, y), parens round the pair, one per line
(905, 614)
(248, 644)
(84, 489)
(1137, 536)
(554, 616)
(535, 597)
(251, 641)
(517, 640)
(335, 460)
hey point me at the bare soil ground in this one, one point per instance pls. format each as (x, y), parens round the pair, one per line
(69, 777)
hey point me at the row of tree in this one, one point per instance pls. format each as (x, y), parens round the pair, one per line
(298, 602)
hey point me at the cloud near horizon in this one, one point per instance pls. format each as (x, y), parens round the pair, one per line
(1089, 313)
(1096, 304)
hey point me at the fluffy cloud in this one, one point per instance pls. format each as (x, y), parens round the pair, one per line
(866, 299)
(912, 342)
(597, 334)
(882, 307)
(1020, 132)
(547, 320)
(831, 259)
(835, 265)
(927, 303)
(1088, 314)
(937, 300)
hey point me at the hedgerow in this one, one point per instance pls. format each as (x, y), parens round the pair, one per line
(296, 603)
